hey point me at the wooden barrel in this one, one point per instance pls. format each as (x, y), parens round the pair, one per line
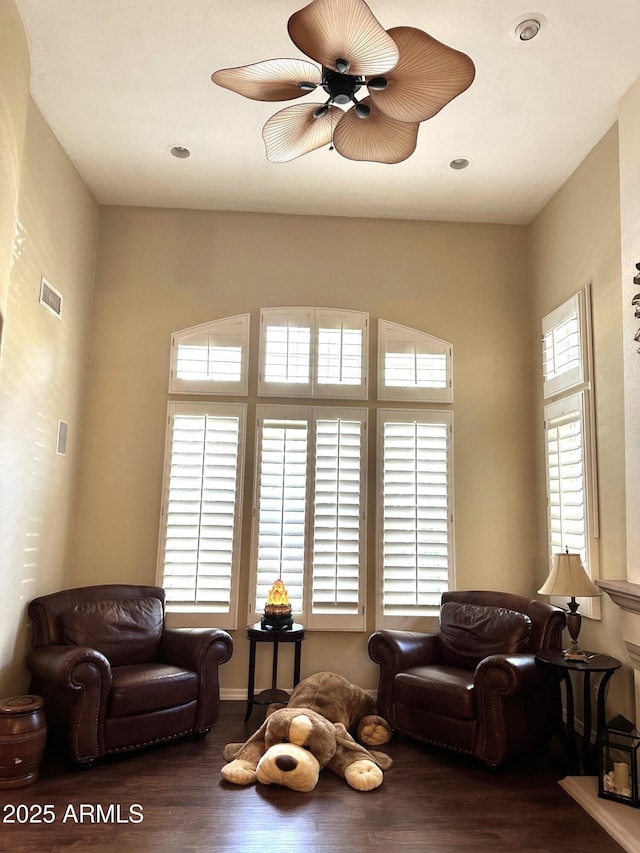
(23, 734)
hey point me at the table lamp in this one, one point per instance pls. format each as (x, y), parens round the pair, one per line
(568, 577)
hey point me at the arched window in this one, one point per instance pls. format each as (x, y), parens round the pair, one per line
(211, 358)
(412, 365)
(309, 463)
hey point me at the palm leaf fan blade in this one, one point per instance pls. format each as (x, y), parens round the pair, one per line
(429, 75)
(328, 30)
(294, 131)
(378, 138)
(271, 80)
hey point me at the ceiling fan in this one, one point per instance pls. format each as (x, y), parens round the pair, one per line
(409, 76)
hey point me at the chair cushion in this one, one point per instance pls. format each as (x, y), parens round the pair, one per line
(143, 688)
(471, 632)
(443, 690)
(126, 631)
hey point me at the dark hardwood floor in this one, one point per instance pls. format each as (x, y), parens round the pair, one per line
(171, 799)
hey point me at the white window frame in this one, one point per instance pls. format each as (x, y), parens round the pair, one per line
(234, 328)
(416, 617)
(416, 343)
(566, 328)
(315, 320)
(200, 613)
(319, 619)
(571, 391)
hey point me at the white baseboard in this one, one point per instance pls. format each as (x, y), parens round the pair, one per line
(621, 822)
(240, 693)
(230, 694)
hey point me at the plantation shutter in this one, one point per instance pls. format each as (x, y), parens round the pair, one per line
(571, 487)
(285, 351)
(341, 347)
(309, 516)
(211, 358)
(200, 544)
(566, 477)
(313, 352)
(416, 520)
(281, 508)
(562, 346)
(338, 520)
(413, 365)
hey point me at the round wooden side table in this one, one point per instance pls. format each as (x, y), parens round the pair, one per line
(257, 634)
(595, 663)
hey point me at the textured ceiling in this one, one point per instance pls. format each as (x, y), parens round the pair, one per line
(121, 82)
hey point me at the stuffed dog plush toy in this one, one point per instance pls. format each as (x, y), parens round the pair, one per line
(298, 740)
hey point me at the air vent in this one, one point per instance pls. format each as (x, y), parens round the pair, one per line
(63, 430)
(50, 297)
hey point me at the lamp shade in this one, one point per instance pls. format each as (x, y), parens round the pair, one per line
(568, 577)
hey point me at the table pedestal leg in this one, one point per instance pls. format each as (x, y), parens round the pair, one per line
(586, 711)
(252, 674)
(571, 725)
(274, 667)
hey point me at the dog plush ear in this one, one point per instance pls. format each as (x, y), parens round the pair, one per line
(243, 758)
(356, 751)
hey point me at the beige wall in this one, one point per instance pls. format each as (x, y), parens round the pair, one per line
(14, 100)
(630, 256)
(42, 372)
(163, 270)
(575, 241)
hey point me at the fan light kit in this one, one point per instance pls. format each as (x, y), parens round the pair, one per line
(409, 77)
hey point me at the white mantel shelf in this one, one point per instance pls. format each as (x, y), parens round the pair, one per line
(626, 595)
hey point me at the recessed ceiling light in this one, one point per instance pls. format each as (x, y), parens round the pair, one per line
(528, 30)
(180, 152)
(459, 163)
(527, 27)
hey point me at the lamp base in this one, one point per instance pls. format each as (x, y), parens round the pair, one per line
(574, 621)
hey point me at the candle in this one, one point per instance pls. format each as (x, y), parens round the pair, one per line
(620, 775)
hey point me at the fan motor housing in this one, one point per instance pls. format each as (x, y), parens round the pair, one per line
(341, 88)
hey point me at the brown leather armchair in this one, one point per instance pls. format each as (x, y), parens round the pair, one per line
(473, 686)
(113, 678)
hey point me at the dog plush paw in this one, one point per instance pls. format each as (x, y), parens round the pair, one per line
(363, 775)
(374, 731)
(239, 772)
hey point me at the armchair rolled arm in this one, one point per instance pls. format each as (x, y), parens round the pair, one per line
(399, 650)
(191, 647)
(70, 667)
(395, 651)
(202, 650)
(511, 694)
(507, 674)
(76, 681)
